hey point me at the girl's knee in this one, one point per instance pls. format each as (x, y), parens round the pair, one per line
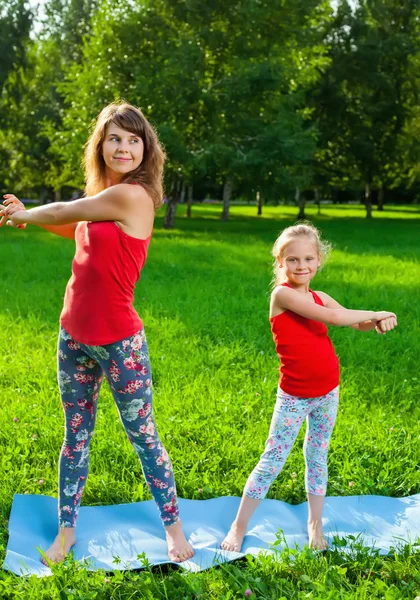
(265, 472)
(316, 465)
(316, 490)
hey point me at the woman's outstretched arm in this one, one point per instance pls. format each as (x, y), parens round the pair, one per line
(116, 203)
(66, 231)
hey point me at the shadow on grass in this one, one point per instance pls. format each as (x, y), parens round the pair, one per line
(242, 223)
(206, 285)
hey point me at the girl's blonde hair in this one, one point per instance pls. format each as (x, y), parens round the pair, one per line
(302, 229)
(149, 173)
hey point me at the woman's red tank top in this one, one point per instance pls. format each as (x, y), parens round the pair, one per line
(309, 366)
(98, 303)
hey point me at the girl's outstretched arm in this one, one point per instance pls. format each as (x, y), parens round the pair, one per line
(284, 298)
(381, 326)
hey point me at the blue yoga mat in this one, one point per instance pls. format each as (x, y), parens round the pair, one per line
(112, 537)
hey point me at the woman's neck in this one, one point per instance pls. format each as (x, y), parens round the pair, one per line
(111, 178)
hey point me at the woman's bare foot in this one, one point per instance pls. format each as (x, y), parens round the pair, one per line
(235, 537)
(317, 540)
(178, 547)
(60, 547)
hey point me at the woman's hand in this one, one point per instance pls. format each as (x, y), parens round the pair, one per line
(386, 324)
(9, 214)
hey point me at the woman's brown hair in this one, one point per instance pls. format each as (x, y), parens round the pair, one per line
(149, 173)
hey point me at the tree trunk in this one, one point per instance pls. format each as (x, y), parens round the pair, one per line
(173, 198)
(43, 197)
(259, 204)
(318, 200)
(300, 201)
(368, 200)
(227, 194)
(189, 200)
(57, 195)
(182, 194)
(381, 194)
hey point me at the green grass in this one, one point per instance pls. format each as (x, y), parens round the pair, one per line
(204, 297)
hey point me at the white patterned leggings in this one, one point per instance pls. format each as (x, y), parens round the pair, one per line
(289, 414)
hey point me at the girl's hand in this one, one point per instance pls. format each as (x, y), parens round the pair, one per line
(384, 314)
(385, 325)
(9, 214)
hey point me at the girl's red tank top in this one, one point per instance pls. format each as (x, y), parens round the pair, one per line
(309, 366)
(98, 303)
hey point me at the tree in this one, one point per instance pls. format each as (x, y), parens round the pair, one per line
(32, 93)
(362, 103)
(224, 105)
(15, 25)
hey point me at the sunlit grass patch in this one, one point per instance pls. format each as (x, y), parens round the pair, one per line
(204, 298)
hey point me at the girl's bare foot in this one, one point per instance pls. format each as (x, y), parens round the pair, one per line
(317, 540)
(60, 547)
(233, 540)
(178, 547)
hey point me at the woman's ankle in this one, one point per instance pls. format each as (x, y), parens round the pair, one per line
(67, 532)
(173, 527)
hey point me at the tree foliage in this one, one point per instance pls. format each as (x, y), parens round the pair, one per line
(256, 96)
(365, 99)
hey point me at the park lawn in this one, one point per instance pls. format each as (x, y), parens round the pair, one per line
(204, 298)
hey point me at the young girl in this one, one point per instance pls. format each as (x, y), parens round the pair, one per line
(101, 333)
(309, 376)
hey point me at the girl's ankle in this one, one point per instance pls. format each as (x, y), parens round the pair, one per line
(238, 525)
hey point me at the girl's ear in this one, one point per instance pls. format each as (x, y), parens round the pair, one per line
(279, 261)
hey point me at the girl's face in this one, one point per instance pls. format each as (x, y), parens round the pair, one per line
(122, 151)
(300, 261)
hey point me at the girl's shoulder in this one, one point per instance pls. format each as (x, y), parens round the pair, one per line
(327, 301)
(276, 292)
(279, 288)
(276, 304)
(322, 295)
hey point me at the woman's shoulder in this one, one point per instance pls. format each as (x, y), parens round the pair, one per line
(133, 197)
(130, 190)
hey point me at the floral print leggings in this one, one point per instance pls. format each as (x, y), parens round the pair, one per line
(288, 416)
(127, 368)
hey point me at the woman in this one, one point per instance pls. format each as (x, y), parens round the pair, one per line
(100, 331)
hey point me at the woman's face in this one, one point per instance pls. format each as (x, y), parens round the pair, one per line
(122, 151)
